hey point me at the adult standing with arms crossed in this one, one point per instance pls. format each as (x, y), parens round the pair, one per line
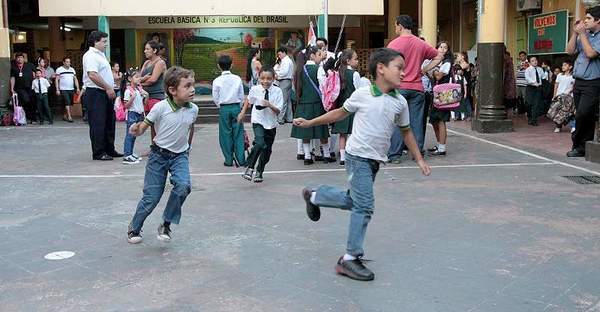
(415, 51)
(585, 43)
(99, 96)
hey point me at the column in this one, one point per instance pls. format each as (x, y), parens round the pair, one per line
(131, 48)
(429, 21)
(393, 10)
(57, 42)
(5, 56)
(491, 116)
(104, 27)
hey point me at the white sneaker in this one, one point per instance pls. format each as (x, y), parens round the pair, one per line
(136, 157)
(130, 160)
(572, 130)
(556, 130)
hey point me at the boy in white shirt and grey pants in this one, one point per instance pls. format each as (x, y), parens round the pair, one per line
(378, 109)
(40, 87)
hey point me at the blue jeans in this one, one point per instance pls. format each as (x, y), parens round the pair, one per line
(132, 117)
(359, 199)
(159, 164)
(416, 105)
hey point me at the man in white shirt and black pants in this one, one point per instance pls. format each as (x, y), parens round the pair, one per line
(284, 72)
(98, 97)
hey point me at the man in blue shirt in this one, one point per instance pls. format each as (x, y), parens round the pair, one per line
(585, 43)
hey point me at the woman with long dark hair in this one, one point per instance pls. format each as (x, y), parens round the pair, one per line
(309, 104)
(438, 118)
(152, 73)
(349, 82)
(253, 66)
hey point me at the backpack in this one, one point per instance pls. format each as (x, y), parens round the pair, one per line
(562, 109)
(19, 117)
(7, 119)
(331, 90)
(447, 96)
(120, 109)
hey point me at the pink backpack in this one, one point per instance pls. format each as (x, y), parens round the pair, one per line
(120, 109)
(19, 117)
(331, 90)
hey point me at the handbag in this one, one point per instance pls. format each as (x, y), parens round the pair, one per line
(447, 96)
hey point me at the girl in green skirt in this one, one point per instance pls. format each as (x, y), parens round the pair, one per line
(309, 104)
(349, 81)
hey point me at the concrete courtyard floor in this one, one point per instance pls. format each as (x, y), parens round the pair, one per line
(496, 227)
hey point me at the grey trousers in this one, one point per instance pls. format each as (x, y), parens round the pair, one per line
(286, 114)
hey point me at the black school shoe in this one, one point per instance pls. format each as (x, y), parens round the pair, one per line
(258, 178)
(248, 174)
(103, 157)
(115, 154)
(300, 156)
(575, 153)
(312, 210)
(354, 269)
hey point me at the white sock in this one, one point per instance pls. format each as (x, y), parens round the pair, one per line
(316, 146)
(342, 155)
(313, 197)
(300, 150)
(332, 142)
(348, 257)
(326, 152)
(452, 115)
(306, 150)
(441, 147)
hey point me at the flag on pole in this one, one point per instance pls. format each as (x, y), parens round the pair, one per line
(312, 38)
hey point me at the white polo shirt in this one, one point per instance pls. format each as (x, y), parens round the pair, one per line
(94, 60)
(138, 101)
(66, 78)
(172, 124)
(285, 70)
(228, 89)
(266, 117)
(376, 115)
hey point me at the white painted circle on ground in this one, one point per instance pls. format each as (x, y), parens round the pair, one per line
(59, 255)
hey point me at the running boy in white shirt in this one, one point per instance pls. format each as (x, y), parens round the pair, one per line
(378, 110)
(40, 87)
(173, 121)
(267, 102)
(228, 95)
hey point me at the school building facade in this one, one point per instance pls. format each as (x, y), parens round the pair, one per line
(195, 34)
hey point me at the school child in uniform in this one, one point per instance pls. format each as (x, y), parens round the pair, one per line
(228, 95)
(267, 102)
(309, 104)
(40, 86)
(462, 112)
(563, 87)
(377, 109)
(349, 82)
(173, 122)
(133, 98)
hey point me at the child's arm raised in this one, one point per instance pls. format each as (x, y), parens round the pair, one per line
(331, 117)
(411, 143)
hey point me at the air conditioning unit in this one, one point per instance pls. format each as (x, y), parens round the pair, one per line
(526, 5)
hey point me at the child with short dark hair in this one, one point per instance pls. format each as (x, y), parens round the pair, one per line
(267, 102)
(172, 119)
(40, 86)
(377, 109)
(228, 95)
